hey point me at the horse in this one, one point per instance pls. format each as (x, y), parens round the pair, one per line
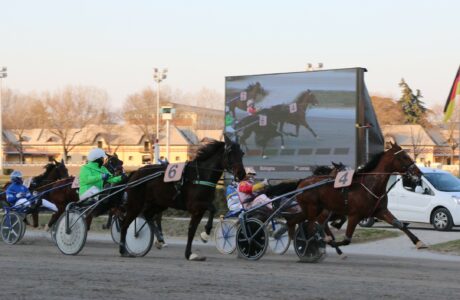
(54, 171)
(194, 193)
(253, 91)
(295, 112)
(275, 117)
(365, 197)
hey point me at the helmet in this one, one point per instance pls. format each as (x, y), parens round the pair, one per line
(16, 176)
(250, 171)
(96, 153)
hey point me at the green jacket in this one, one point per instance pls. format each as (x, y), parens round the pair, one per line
(91, 175)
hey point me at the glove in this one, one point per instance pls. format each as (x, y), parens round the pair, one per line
(124, 176)
(105, 177)
(20, 195)
(265, 182)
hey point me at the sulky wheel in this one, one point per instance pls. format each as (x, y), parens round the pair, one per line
(139, 237)
(115, 230)
(279, 240)
(309, 249)
(12, 228)
(225, 236)
(71, 242)
(252, 239)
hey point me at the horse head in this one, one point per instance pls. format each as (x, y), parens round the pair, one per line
(53, 171)
(399, 161)
(233, 158)
(114, 164)
(307, 98)
(254, 90)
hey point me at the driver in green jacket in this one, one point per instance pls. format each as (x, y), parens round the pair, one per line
(93, 175)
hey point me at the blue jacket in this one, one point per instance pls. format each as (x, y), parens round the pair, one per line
(16, 191)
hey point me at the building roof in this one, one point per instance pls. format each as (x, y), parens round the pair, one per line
(409, 135)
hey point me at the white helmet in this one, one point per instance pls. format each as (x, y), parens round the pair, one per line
(96, 153)
(250, 171)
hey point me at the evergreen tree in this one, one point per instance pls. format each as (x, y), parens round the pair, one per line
(411, 105)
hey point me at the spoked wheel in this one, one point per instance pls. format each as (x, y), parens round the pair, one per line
(12, 228)
(310, 249)
(279, 240)
(71, 242)
(225, 236)
(252, 239)
(115, 230)
(139, 237)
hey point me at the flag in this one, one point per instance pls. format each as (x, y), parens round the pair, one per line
(454, 96)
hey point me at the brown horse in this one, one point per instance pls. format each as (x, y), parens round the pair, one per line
(253, 91)
(194, 193)
(366, 196)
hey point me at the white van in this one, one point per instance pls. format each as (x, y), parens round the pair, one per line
(436, 201)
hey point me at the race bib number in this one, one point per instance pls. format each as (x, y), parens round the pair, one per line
(344, 179)
(243, 96)
(76, 183)
(262, 120)
(293, 108)
(27, 182)
(174, 172)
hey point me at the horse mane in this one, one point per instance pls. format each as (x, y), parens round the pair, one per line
(208, 149)
(322, 170)
(48, 168)
(371, 164)
(300, 97)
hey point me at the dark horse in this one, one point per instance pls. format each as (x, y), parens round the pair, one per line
(194, 194)
(252, 92)
(54, 171)
(276, 116)
(366, 196)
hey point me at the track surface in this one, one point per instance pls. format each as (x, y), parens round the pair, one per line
(35, 269)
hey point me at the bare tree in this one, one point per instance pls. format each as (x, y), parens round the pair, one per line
(416, 139)
(21, 112)
(140, 110)
(110, 121)
(70, 111)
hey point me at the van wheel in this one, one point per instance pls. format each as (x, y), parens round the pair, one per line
(367, 222)
(441, 219)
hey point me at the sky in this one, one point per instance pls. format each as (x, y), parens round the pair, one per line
(114, 44)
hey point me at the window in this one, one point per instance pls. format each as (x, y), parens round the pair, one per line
(177, 158)
(83, 158)
(69, 158)
(130, 158)
(99, 144)
(146, 146)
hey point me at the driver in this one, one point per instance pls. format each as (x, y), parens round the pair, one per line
(93, 175)
(18, 194)
(250, 191)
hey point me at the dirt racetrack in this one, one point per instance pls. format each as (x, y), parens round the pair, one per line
(35, 269)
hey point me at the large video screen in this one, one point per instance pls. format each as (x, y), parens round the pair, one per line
(289, 123)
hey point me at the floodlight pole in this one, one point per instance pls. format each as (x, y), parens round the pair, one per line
(158, 76)
(3, 74)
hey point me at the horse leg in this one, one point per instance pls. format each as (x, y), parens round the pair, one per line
(388, 217)
(323, 219)
(89, 220)
(308, 128)
(35, 219)
(193, 225)
(109, 220)
(55, 217)
(353, 221)
(208, 227)
(125, 222)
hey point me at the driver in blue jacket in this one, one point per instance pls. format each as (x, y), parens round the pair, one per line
(18, 194)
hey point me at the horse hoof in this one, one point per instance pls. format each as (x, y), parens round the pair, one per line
(126, 254)
(204, 237)
(421, 245)
(343, 256)
(158, 244)
(196, 257)
(264, 156)
(47, 228)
